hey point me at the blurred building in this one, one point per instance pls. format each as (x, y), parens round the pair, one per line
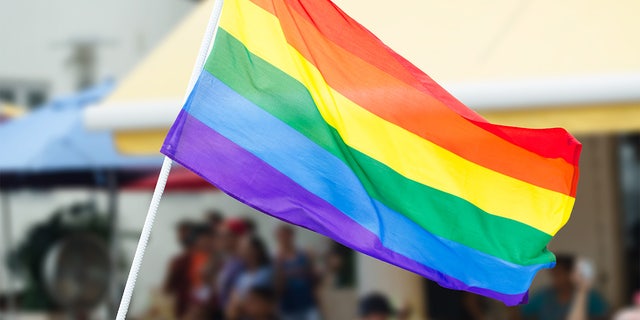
(51, 48)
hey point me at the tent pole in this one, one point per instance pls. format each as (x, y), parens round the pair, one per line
(205, 48)
(114, 242)
(6, 222)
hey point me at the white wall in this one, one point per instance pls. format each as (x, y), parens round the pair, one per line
(33, 34)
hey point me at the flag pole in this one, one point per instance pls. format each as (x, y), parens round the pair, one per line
(205, 48)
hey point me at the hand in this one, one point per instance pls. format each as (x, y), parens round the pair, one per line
(582, 283)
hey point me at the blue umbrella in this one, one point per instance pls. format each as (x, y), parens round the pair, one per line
(52, 139)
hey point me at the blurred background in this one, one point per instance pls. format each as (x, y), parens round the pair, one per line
(76, 180)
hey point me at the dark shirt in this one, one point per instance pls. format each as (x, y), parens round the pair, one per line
(231, 270)
(297, 294)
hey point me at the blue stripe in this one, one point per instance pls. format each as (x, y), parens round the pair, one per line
(318, 171)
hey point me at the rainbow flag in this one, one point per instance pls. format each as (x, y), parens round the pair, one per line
(302, 113)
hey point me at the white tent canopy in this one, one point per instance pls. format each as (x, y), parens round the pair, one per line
(481, 96)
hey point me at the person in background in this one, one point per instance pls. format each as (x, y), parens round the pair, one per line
(200, 254)
(295, 278)
(257, 273)
(176, 283)
(569, 298)
(214, 219)
(260, 304)
(200, 293)
(376, 306)
(252, 227)
(229, 235)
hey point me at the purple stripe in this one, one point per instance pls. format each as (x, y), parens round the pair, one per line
(231, 169)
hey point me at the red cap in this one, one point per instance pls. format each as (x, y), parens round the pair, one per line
(237, 226)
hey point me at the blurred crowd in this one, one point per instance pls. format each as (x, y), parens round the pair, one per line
(226, 271)
(570, 295)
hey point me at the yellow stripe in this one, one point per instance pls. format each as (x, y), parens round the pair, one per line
(406, 153)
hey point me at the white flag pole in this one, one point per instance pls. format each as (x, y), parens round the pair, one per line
(205, 48)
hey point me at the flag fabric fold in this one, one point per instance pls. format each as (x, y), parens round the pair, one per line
(302, 113)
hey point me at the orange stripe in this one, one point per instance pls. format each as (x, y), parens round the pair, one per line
(347, 33)
(377, 91)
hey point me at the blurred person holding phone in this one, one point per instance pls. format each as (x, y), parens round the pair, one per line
(570, 296)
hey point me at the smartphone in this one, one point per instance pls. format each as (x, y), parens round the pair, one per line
(586, 269)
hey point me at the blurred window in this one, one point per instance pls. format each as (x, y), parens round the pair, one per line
(343, 265)
(7, 95)
(28, 93)
(36, 98)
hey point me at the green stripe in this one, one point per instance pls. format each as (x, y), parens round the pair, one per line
(438, 212)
